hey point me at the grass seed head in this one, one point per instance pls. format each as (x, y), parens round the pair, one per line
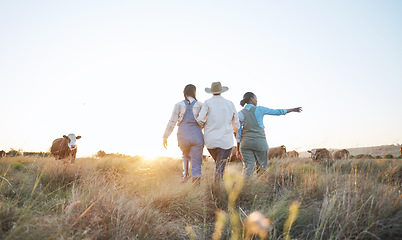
(293, 213)
(233, 181)
(219, 224)
(257, 224)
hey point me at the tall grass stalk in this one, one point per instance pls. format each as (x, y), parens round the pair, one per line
(219, 224)
(293, 213)
(233, 181)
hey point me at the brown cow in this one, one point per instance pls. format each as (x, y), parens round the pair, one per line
(205, 158)
(364, 156)
(65, 147)
(2, 153)
(341, 154)
(319, 154)
(293, 154)
(277, 152)
(401, 151)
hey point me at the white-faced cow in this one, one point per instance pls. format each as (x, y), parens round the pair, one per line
(2, 153)
(65, 148)
(277, 152)
(293, 154)
(319, 154)
(341, 154)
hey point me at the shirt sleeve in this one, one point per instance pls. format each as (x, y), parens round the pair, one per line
(235, 120)
(241, 121)
(196, 109)
(269, 111)
(172, 121)
(202, 117)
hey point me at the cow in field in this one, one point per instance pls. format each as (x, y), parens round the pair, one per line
(205, 158)
(341, 154)
(400, 150)
(364, 156)
(319, 154)
(2, 153)
(65, 147)
(293, 154)
(277, 152)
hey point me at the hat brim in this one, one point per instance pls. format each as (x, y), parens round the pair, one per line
(224, 89)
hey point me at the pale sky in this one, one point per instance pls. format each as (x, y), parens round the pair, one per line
(111, 71)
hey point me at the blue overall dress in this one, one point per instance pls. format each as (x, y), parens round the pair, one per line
(191, 142)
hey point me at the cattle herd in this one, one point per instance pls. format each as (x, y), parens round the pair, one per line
(65, 149)
(317, 154)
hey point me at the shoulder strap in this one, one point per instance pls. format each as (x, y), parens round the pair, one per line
(249, 116)
(251, 110)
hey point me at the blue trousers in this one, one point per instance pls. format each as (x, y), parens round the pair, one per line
(192, 154)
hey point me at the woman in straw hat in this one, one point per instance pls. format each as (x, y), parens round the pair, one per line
(219, 118)
(251, 142)
(189, 134)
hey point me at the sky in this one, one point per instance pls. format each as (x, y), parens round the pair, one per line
(111, 71)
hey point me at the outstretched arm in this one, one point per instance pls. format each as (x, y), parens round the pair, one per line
(298, 109)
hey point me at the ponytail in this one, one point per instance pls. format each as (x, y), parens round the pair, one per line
(242, 102)
(246, 98)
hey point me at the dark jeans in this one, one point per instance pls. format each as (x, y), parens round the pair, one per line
(220, 156)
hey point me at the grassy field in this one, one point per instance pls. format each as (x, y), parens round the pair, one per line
(129, 198)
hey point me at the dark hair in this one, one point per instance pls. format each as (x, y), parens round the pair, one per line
(246, 98)
(189, 90)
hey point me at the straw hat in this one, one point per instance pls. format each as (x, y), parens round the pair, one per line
(216, 87)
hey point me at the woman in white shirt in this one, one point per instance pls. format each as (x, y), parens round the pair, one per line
(189, 134)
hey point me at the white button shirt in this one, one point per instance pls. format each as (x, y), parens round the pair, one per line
(219, 118)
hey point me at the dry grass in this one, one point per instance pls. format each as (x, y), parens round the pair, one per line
(128, 198)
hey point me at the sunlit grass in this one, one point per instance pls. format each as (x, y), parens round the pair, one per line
(132, 198)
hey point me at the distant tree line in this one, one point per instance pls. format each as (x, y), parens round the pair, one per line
(37, 154)
(15, 153)
(101, 154)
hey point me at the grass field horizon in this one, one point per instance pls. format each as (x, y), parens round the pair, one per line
(380, 150)
(131, 198)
